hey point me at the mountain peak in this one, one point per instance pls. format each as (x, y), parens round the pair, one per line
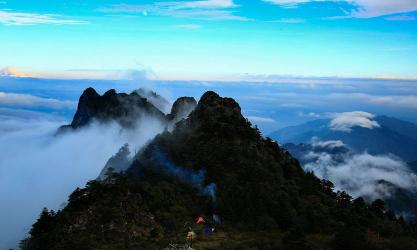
(89, 92)
(181, 108)
(215, 110)
(212, 99)
(209, 95)
(110, 92)
(112, 106)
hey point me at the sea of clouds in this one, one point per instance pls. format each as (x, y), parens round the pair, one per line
(359, 174)
(40, 169)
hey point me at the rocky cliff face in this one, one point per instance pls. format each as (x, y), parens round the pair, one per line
(181, 108)
(215, 163)
(126, 109)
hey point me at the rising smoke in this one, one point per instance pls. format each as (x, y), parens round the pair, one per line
(185, 175)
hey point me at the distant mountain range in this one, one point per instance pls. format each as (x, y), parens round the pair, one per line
(392, 136)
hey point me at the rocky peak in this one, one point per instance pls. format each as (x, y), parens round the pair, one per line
(110, 93)
(211, 105)
(181, 108)
(218, 115)
(89, 93)
(211, 101)
(123, 108)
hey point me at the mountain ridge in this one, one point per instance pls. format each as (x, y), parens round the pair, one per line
(263, 197)
(125, 109)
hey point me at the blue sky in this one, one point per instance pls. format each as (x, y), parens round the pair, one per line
(285, 61)
(211, 39)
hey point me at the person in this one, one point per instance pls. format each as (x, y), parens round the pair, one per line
(190, 237)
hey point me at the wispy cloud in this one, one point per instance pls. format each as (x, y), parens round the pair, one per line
(188, 26)
(375, 8)
(288, 3)
(360, 8)
(397, 101)
(15, 72)
(309, 114)
(208, 4)
(260, 119)
(104, 74)
(12, 18)
(25, 100)
(289, 20)
(85, 74)
(204, 10)
(401, 18)
(332, 144)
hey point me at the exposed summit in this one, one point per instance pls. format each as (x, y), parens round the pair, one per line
(126, 109)
(123, 108)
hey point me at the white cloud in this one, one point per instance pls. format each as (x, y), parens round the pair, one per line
(396, 101)
(17, 119)
(332, 144)
(288, 3)
(375, 8)
(25, 100)
(12, 18)
(142, 74)
(40, 170)
(360, 174)
(15, 72)
(309, 114)
(362, 8)
(260, 119)
(204, 10)
(100, 74)
(346, 121)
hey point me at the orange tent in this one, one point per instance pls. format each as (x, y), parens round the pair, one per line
(200, 220)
